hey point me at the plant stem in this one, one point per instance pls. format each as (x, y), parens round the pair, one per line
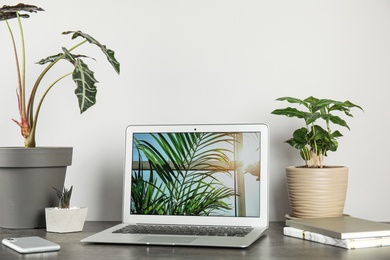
(16, 57)
(39, 79)
(23, 80)
(21, 90)
(30, 140)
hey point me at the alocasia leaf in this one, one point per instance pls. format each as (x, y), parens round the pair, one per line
(110, 54)
(8, 12)
(85, 80)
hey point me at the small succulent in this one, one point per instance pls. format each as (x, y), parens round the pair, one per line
(64, 197)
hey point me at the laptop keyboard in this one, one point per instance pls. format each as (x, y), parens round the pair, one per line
(185, 230)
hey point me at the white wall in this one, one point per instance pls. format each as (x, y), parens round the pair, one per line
(213, 61)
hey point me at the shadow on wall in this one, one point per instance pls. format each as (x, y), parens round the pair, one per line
(109, 194)
(279, 202)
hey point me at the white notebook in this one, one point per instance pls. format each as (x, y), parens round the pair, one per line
(349, 243)
(342, 227)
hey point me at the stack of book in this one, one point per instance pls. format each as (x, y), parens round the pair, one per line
(346, 232)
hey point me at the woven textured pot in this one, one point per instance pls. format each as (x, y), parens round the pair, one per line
(315, 192)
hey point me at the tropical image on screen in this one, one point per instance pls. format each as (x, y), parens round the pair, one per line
(196, 174)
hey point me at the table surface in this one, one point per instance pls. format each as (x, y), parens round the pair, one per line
(273, 245)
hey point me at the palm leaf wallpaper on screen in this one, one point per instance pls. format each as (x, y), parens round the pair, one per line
(181, 168)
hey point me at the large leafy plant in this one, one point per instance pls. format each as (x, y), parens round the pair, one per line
(313, 140)
(83, 77)
(182, 168)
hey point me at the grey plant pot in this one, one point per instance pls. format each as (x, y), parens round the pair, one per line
(27, 176)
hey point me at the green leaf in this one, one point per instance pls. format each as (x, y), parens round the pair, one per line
(20, 7)
(84, 78)
(51, 58)
(311, 118)
(344, 107)
(311, 100)
(338, 121)
(300, 135)
(64, 196)
(294, 143)
(110, 54)
(336, 134)
(319, 133)
(55, 57)
(305, 153)
(8, 12)
(290, 112)
(293, 100)
(333, 145)
(299, 139)
(322, 105)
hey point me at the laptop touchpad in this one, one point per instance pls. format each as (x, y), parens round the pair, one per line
(167, 239)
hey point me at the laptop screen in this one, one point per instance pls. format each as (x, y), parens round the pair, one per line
(196, 173)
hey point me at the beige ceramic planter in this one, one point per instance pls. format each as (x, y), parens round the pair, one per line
(315, 192)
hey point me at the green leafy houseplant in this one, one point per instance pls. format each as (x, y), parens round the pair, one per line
(313, 140)
(83, 77)
(64, 197)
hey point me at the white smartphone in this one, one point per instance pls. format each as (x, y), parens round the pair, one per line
(26, 245)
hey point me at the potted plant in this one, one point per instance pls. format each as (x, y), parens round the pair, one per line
(65, 219)
(314, 189)
(17, 182)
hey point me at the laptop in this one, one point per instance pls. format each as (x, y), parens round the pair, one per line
(193, 185)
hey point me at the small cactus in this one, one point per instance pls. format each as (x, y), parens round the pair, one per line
(64, 197)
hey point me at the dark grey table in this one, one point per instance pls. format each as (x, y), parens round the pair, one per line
(274, 245)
